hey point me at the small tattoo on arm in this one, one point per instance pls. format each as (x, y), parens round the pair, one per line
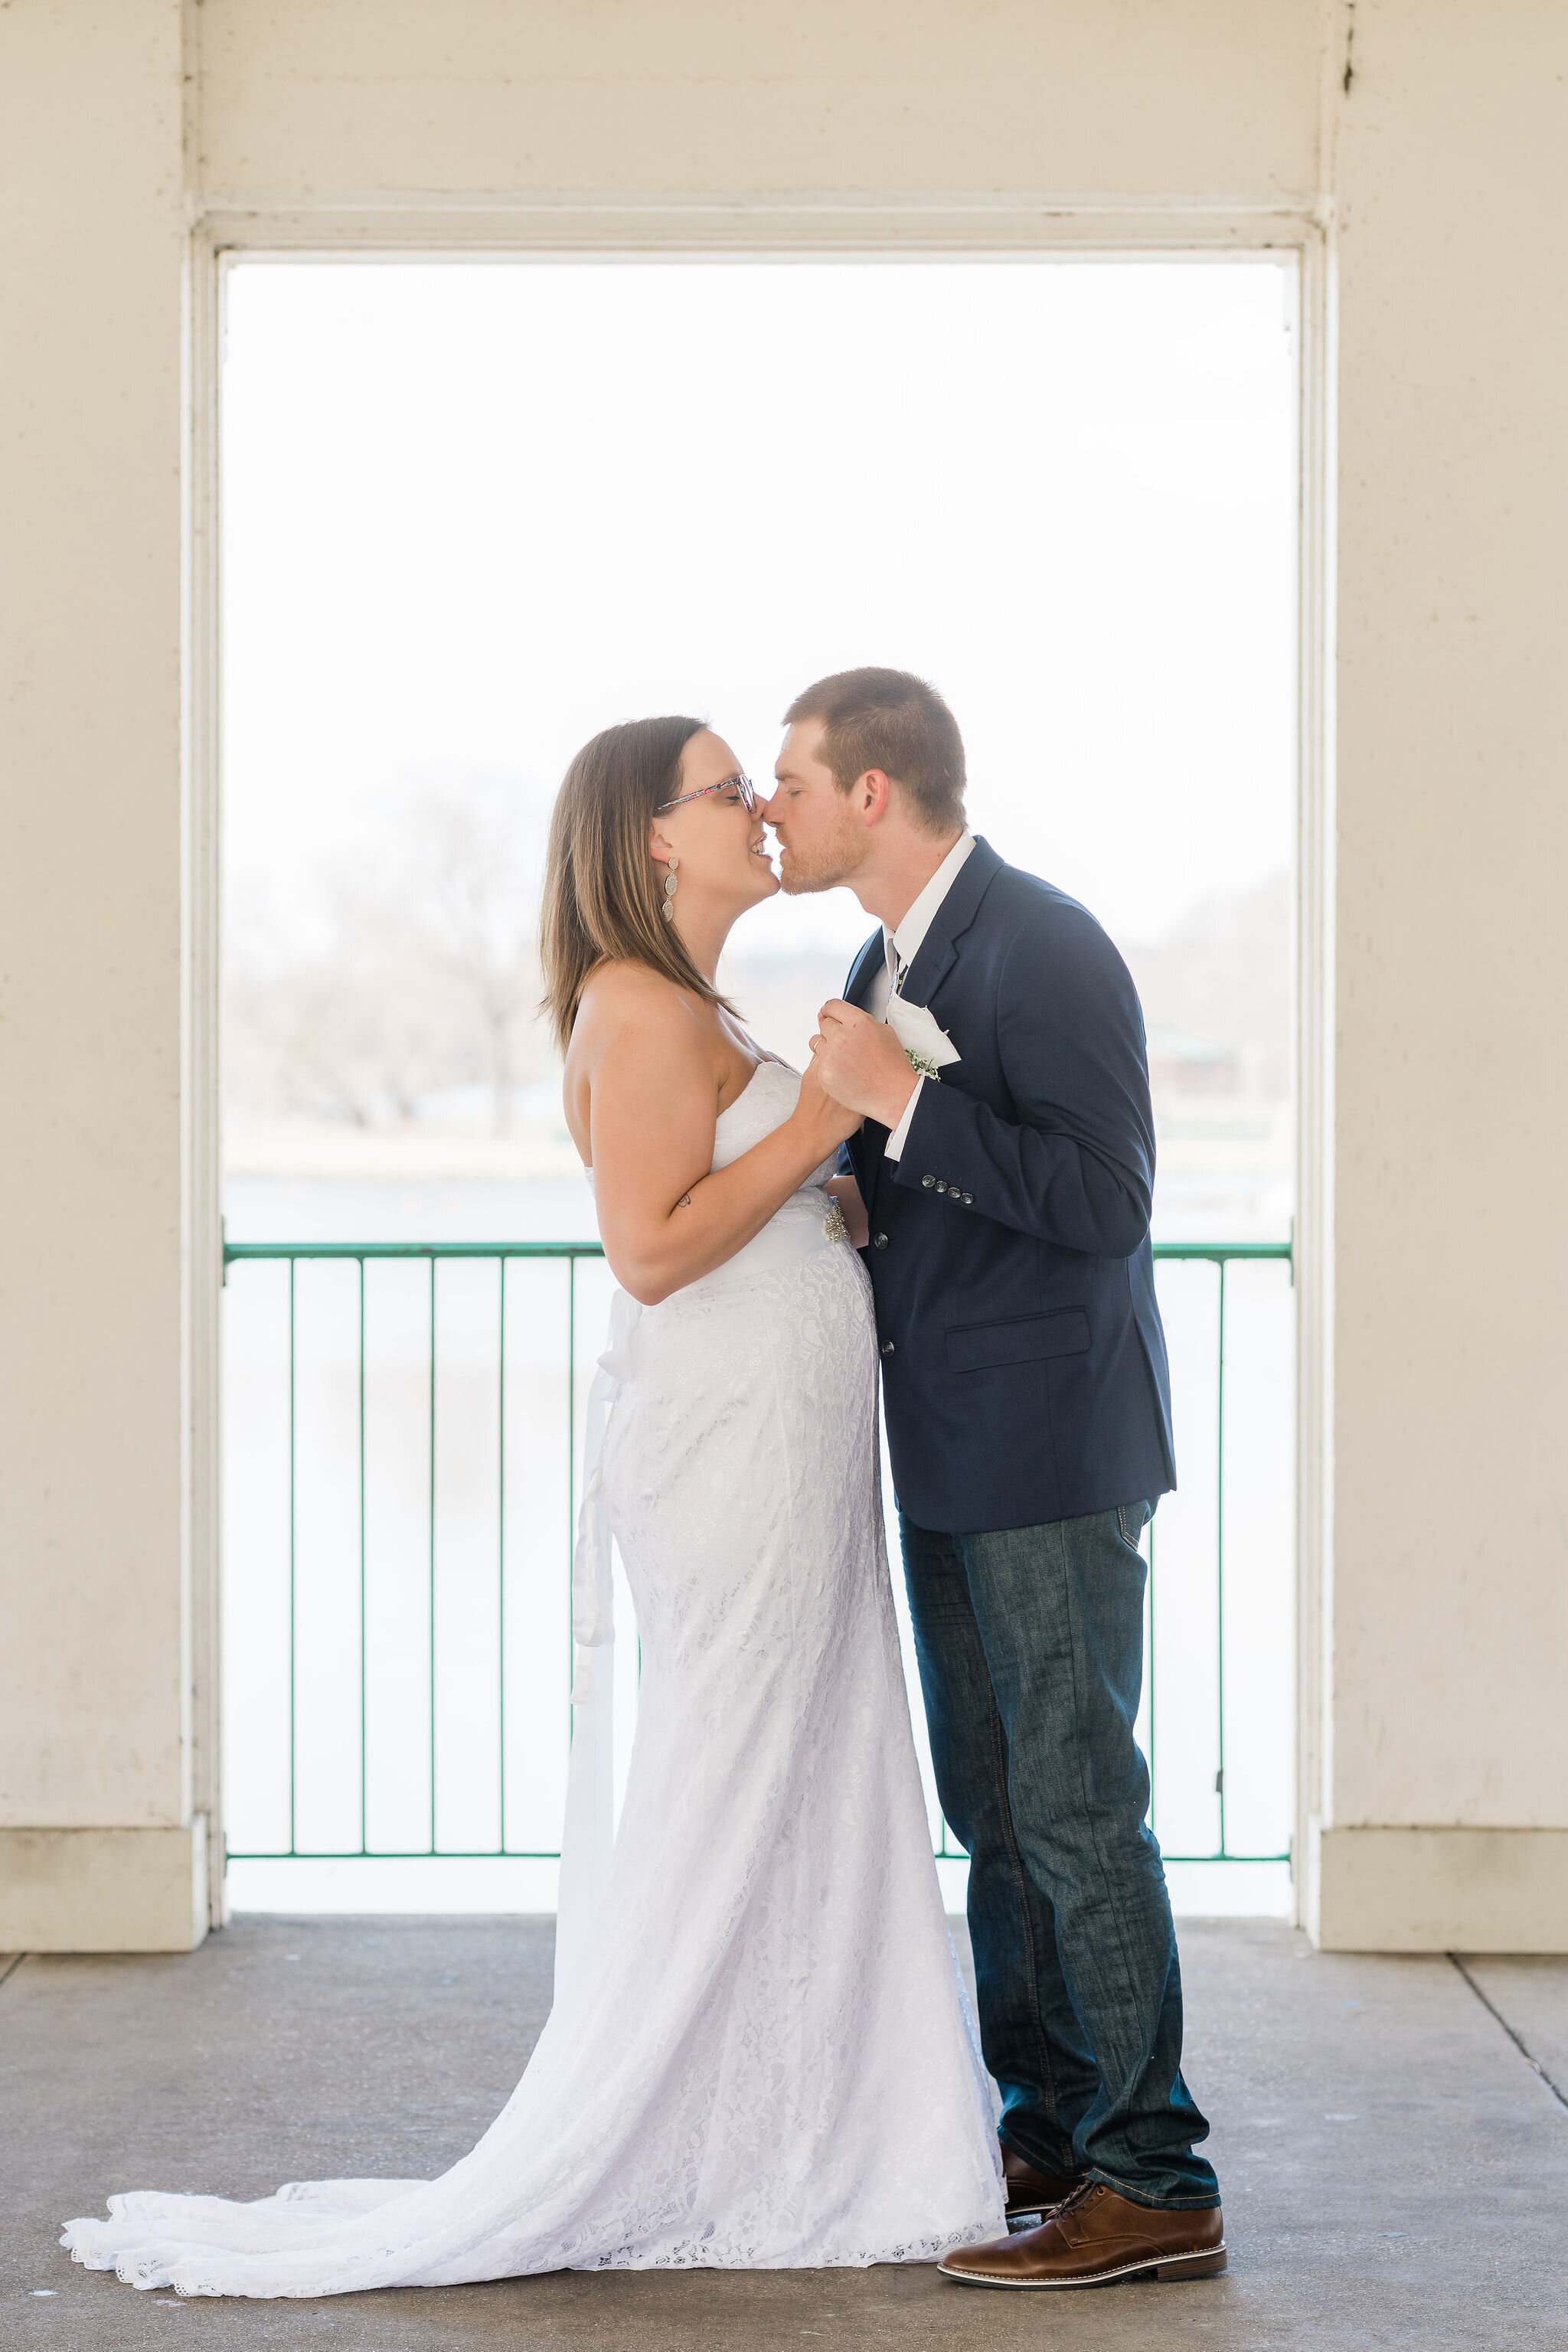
(685, 1201)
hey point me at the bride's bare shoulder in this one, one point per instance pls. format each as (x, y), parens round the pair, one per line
(622, 1002)
(635, 1030)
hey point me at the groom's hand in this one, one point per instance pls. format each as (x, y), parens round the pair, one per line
(862, 1064)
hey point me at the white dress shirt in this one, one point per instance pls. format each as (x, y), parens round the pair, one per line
(900, 949)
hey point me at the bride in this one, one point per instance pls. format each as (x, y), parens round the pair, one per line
(761, 2054)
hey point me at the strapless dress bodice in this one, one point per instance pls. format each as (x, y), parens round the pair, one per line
(764, 1102)
(808, 1217)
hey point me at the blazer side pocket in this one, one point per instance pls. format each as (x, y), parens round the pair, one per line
(1022, 1340)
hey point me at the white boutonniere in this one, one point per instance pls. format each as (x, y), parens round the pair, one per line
(927, 1046)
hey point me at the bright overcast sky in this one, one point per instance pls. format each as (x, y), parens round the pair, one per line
(474, 512)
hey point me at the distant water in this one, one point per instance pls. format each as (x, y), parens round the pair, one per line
(409, 1209)
(1190, 1206)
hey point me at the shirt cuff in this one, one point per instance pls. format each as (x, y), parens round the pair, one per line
(893, 1147)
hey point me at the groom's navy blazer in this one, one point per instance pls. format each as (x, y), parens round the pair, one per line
(1023, 1357)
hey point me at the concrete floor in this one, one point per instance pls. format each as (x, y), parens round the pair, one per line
(1394, 2167)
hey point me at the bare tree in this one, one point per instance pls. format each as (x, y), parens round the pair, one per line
(425, 977)
(1224, 974)
(477, 884)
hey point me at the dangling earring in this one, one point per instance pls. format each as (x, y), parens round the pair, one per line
(671, 870)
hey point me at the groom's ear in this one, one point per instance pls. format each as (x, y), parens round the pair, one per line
(872, 797)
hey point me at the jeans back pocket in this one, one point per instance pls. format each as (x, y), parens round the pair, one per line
(1132, 1518)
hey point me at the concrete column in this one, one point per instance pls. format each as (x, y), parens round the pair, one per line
(103, 1813)
(1444, 1805)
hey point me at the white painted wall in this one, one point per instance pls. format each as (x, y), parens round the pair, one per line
(1438, 1789)
(100, 1839)
(1448, 1637)
(316, 99)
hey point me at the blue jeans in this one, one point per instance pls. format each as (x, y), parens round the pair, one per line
(1030, 1642)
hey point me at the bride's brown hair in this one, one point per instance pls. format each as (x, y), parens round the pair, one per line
(602, 897)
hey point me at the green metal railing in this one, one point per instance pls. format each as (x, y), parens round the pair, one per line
(1221, 1254)
(496, 1253)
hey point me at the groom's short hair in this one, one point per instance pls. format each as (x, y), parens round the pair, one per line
(888, 719)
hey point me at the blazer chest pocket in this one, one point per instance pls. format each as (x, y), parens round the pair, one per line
(1022, 1340)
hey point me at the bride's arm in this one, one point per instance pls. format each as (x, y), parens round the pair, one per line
(666, 1220)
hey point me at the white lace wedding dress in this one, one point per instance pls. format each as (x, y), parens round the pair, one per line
(762, 2054)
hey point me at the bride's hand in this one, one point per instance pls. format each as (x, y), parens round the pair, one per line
(822, 1113)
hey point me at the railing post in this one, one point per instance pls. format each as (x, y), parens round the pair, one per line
(500, 1546)
(1219, 1564)
(431, 1552)
(570, 1476)
(363, 1687)
(1152, 1607)
(292, 1552)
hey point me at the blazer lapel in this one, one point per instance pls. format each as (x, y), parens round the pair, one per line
(864, 969)
(857, 989)
(937, 951)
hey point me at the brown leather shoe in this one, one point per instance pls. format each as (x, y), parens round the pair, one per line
(1096, 2237)
(1031, 2191)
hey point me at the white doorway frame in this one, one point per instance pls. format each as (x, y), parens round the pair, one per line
(701, 228)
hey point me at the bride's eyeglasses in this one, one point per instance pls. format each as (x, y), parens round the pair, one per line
(743, 785)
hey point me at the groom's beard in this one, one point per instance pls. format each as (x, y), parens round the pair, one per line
(825, 865)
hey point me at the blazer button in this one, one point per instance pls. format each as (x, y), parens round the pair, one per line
(879, 1240)
(940, 1185)
(969, 1199)
(927, 1182)
(887, 1346)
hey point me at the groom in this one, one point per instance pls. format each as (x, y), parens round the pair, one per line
(1028, 1418)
